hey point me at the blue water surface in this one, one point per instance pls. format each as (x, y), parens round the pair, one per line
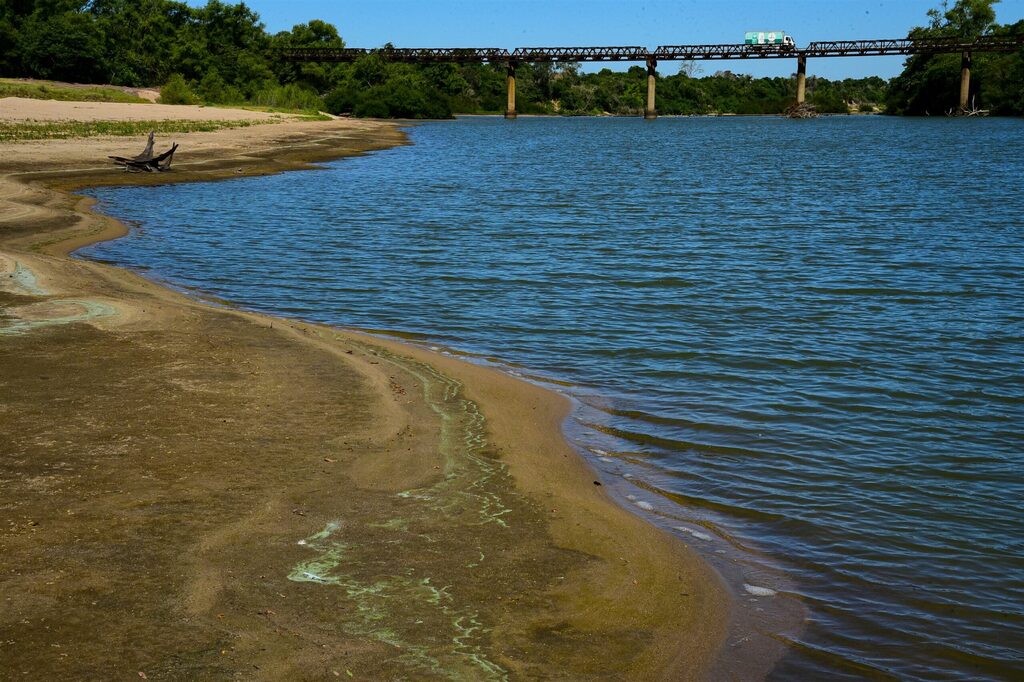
(802, 340)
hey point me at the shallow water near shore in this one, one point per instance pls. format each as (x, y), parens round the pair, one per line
(797, 344)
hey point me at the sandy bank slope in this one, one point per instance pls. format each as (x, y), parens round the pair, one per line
(197, 493)
(23, 109)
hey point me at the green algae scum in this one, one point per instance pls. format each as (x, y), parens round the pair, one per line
(51, 312)
(407, 608)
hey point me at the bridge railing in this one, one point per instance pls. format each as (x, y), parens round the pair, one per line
(397, 54)
(580, 54)
(441, 54)
(633, 53)
(722, 51)
(999, 43)
(844, 48)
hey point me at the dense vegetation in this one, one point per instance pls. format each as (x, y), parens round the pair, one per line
(930, 84)
(221, 53)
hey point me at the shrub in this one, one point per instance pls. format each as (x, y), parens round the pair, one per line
(176, 91)
(291, 96)
(341, 100)
(214, 90)
(372, 108)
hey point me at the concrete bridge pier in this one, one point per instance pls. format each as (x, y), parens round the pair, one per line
(801, 79)
(652, 73)
(965, 80)
(510, 106)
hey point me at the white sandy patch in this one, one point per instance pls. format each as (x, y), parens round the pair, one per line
(24, 109)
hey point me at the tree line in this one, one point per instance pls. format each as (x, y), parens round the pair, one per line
(221, 53)
(930, 84)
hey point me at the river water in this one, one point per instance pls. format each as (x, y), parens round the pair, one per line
(797, 344)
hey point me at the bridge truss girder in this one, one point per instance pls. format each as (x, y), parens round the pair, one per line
(834, 48)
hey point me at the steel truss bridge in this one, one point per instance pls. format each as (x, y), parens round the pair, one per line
(829, 48)
(520, 55)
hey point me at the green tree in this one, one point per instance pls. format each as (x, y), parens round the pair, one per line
(930, 84)
(318, 75)
(62, 45)
(12, 14)
(139, 37)
(829, 101)
(228, 37)
(965, 19)
(213, 89)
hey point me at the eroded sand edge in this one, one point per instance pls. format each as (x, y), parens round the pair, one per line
(191, 491)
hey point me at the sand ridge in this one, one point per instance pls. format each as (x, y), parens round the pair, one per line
(27, 109)
(214, 493)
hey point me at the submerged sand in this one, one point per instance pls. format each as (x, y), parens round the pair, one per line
(193, 492)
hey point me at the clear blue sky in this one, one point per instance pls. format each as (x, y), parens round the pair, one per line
(649, 23)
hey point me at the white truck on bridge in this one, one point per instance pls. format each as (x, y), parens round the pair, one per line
(777, 39)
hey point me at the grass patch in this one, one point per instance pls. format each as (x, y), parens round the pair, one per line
(65, 94)
(59, 130)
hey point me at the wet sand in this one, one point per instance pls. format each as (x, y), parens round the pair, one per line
(195, 492)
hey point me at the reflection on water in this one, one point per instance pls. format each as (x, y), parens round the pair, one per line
(797, 343)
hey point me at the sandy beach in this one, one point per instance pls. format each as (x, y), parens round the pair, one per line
(22, 109)
(195, 492)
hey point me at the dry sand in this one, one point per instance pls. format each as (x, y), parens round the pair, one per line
(24, 109)
(200, 493)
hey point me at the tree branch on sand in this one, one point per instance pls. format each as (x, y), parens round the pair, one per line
(146, 161)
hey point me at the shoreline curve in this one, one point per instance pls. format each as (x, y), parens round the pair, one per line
(580, 587)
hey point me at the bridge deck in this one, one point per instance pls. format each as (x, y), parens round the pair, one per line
(834, 48)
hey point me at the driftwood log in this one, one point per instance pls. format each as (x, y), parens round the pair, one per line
(964, 111)
(802, 111)
(146, 161)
